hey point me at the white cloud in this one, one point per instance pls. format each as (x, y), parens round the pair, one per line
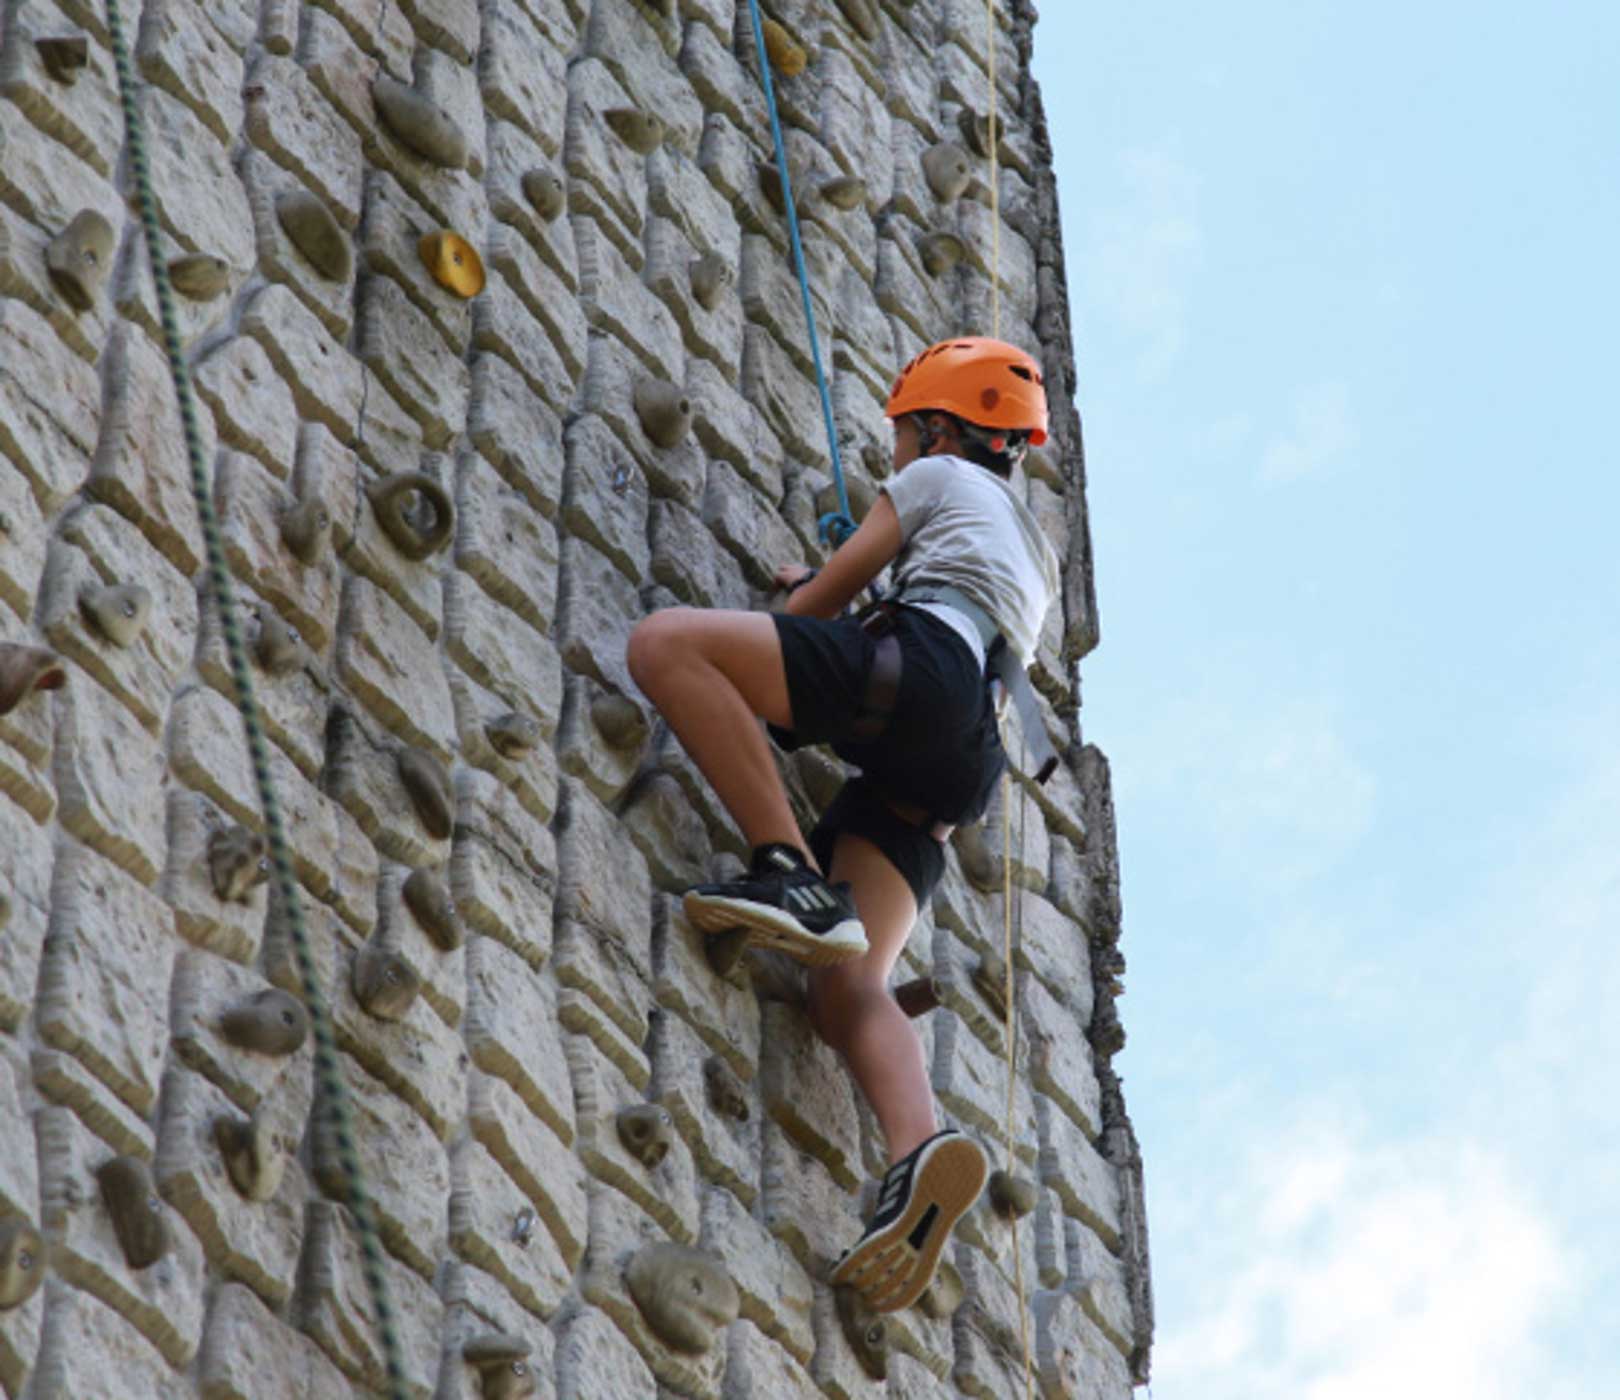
(1319, 436)
(1140, 254)
(1368, 1272)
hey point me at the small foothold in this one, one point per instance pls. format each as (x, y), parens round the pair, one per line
(863, 15)
(787, 55)
(647, 1132)
(428, 784)
(990, 977)
(305, 529)
(918, 997)
(664, 410)
(415, 512)
(514, 735)
(944, 1295)
(619, 720)
(384, 983)
(277, 648)
(137, 1213)
(641, 131)
(545, 193)
(686, 1297)
(523, 1227)
(501, 1360)
(271, 1021)
(427, 898)
(948, 171)
(79, 258)
(64, 57)
(725, 950)
(316, 234)
(252, 1159)
(865, 1330)
(117, 610)
(236, 862)
(1011, 1196)
(846, 192)
(976, 131)
(420, 123)
(726, 1092)
(453, 262)
(25, 669)
(941, 252)
(710, 275)
(200, 276)
(22, 1262)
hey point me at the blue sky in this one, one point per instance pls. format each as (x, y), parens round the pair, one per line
(1346, 308)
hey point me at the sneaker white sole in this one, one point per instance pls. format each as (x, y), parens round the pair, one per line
(894, 1267)
(771, 927)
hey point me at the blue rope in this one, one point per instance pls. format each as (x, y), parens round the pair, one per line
(836, 526)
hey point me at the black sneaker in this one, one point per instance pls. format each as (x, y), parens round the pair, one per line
(922, 1197)
(785, 905)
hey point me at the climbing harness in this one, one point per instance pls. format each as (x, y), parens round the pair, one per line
(836, 526)
(328, 1075)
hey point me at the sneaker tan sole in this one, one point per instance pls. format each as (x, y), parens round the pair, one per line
(769, 927)
(894, 1267)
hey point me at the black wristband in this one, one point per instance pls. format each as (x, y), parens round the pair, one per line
(800, 583)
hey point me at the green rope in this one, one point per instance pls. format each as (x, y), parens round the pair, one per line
(328, 1075)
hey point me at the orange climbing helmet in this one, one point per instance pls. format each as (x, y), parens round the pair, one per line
(982, 381)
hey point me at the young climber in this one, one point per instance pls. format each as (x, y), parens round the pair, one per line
(901, 693)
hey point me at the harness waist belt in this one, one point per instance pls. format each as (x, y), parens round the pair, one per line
(1003, 665)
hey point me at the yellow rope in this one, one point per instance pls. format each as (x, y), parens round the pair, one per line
(993, 141)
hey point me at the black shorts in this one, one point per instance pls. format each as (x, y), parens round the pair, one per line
(941, 751)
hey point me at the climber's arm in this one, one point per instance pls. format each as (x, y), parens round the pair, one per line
(854, 564)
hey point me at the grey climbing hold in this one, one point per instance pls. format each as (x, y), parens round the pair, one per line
(514, 735)
(117, 610)
(642, 132)
(237, 862)
(22, 1262)
(619, 720)
(725, 1090)
(80, 257)
(252, 1158)
(944, 1295)
(846, 192)
(664, 410)
(305, 529)
(271, 1021)
(277, 647)
(415, 512)
(64, 57)
(200, 276)
(523, 1227)
(941, 252)
(501, 1360)
(990, 977)
(137, 1213)
(710, 275)
(316, 233)
(1012, 1197)
(427, 899)
(428, 784)
(686, 1297)
(725, 950)
(948, 171)
(420, 123)
(647, 1132)
(384, 983)
(866, 1331)
(976, 131)
(25, 669)
(545, 193)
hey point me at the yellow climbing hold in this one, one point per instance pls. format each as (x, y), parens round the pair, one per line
(454, 263)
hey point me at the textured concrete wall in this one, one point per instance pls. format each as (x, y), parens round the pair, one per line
(563, 986)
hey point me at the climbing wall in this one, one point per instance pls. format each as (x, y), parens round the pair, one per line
(497, 347)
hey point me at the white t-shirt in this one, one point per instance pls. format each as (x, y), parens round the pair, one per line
(963, 527)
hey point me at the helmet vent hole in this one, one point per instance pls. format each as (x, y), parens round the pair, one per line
(1021, 371)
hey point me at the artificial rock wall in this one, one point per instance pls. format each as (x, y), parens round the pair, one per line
(624, 417)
